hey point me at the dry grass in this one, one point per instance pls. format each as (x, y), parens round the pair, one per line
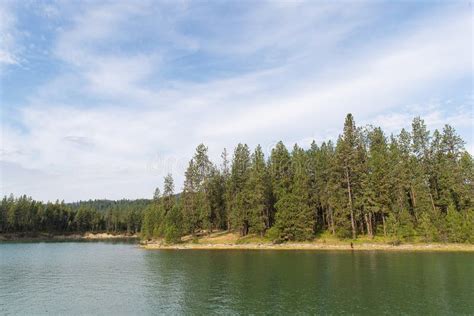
(231, 240)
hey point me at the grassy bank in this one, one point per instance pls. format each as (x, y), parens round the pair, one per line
(229, 240)
(41, 236)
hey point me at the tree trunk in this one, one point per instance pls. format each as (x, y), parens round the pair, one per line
(432, 203)
(413, 198)
(384, 227)
(324, 217)
(267, 218)
(350, 204)
(245, 229)
(368, 219)
(332, 221)
(371, 225)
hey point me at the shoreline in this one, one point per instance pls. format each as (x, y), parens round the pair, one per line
(225, 240)
(313, 247)
(36, 237)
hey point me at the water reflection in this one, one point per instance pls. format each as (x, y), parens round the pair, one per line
(108, 278)
(276, 282)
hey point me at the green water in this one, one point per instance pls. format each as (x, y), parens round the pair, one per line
(105, 278)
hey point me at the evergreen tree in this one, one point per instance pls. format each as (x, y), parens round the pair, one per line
(294, 217)
(258, 190)
(240, 202)
(348, 163)
(168, 193)
(375, 181)
(197, 212)
(227, 198)
(280, 170)
(216, 196)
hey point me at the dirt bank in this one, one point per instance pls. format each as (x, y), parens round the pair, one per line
(228, 240)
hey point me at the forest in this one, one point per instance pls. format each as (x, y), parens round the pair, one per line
(414, 186)
(23, 214)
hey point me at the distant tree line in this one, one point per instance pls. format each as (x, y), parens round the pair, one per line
(416, 185)
(23, 214)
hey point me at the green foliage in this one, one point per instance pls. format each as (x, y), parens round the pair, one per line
(23, 214)
(280, 170)
(257, 189)
(427, 229)
(400, 226)
(459, 225)
(273, 234)
(173, 225)
(343, 227)
(239, 190)
(197, 211)
(172, 234)
(292, 218)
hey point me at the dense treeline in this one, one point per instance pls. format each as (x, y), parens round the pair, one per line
(416, 185)
(24, 214)
(413, 186)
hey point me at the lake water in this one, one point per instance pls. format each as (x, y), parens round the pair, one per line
(119, 278)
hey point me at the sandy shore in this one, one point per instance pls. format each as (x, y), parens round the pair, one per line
(61, 237)
(313, 246)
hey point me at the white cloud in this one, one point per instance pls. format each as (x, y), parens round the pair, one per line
(7, 35)
(381, 80)
(141, 127)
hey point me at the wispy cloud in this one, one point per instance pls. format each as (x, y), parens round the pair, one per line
(8, 49)
(139, 85)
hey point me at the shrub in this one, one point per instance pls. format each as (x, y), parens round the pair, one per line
(273, 234)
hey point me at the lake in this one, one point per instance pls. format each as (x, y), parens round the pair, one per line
(120, 278)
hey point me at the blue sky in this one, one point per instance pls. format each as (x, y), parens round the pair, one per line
(102, 99)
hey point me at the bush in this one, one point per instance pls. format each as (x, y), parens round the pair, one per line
(273, 234)
(343, 228)
(172, 235)
(459, 226)
(469, 225)
(427, 228)
(401, 227)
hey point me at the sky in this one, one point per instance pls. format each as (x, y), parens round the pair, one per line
(101, 99)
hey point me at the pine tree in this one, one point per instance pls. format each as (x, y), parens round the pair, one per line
(168, 193)
(294, 217)
(347, 160)
(227, 198)
(421, 196)
(189, 209)
(280, 170)
(173, 225)
(258, 190)
(197, 211)
(325, 181)
(240, 203)
(157, 194)
(300, 188)
(466, 178)
(315, 175)
(427, 227)
(215, 190)
(375, 181)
